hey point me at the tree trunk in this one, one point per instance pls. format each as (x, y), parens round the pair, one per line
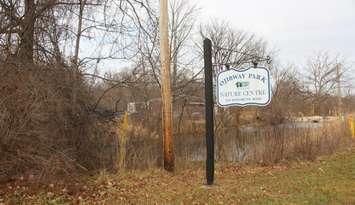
(27, 32)
(79, 32)
(76, 52)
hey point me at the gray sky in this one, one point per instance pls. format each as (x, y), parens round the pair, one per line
(297, 28)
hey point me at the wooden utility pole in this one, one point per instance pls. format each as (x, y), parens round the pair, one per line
(209, 107)
(166, 88)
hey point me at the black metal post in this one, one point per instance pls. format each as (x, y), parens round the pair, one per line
(209, 106)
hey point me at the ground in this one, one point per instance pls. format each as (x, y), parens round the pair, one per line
(328, 180)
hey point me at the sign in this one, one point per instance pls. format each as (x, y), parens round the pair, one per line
(131, 108)
(243, 87)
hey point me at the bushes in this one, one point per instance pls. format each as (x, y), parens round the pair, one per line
(41, 129)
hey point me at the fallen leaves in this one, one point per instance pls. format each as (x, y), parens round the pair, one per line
(234, 184)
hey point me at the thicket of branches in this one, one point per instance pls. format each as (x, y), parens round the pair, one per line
(48, 123)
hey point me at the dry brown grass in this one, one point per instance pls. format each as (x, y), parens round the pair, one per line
(257, 145)
(327, 180)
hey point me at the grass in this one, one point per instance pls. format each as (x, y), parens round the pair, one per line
(328, 180)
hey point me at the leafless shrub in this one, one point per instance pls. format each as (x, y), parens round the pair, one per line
(40, 131)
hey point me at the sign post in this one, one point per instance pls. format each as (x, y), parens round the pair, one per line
(235, 87)
(209, 106)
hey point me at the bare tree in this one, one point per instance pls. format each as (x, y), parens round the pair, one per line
(322, 76)
(181, 27)
(13, 22)
(113, 25)
(230, 46)
(182, 24)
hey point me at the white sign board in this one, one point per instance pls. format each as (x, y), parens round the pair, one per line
(243, 87)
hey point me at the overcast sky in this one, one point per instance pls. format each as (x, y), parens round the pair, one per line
(296, 28)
